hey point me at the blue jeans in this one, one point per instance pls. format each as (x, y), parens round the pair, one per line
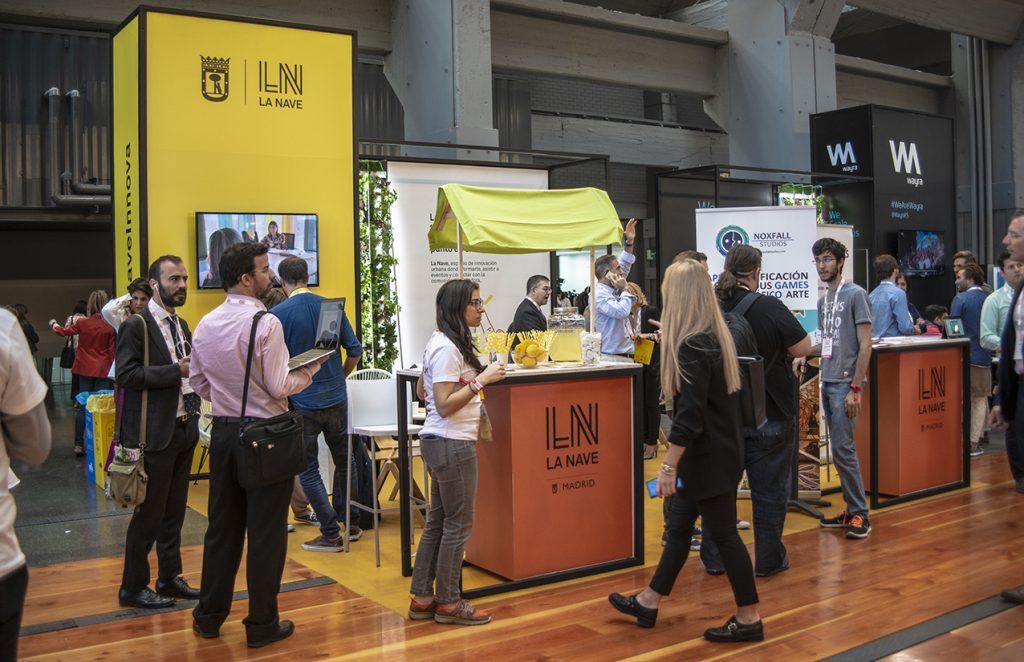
(333, 422)
(844, 450)
(453, 479)
(88, 385)
(768, 459)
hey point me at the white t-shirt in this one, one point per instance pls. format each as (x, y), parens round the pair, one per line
(443, 362)
(21, 390)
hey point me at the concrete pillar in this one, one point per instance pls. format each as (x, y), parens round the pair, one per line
(773, 75)
(440, 68)
(1006, 98)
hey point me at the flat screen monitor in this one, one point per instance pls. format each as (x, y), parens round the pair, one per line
(922, 253)
(286, 235)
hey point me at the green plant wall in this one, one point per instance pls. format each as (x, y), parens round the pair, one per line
(377, 292)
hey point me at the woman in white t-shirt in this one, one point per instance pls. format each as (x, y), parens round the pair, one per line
(451, 383)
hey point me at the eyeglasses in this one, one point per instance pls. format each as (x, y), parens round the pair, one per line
(546, 288)
(823, 260)
(477, 303)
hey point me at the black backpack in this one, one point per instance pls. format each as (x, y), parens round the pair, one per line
(752, 393)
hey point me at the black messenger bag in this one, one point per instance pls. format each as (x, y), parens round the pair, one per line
(272, 448)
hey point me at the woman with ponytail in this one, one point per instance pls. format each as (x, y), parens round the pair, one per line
(700, 371)
(451, 383)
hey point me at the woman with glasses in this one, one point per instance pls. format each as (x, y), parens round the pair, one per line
(451, 383)
(700, 371)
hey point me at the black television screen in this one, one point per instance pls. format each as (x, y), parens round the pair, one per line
(286, 235)
(921, 253)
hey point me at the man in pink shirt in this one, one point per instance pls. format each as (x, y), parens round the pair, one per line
(217, 373)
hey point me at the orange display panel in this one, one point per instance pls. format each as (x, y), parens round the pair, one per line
(920, 421)
(555, 487)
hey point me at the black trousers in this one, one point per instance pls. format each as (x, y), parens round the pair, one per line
(235, 512)
(161, 515)
(719, 523)
(12, 603)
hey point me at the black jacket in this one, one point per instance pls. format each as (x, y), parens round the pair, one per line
(706, 420)
(161, 377)
(528, 318)
(1008, 377)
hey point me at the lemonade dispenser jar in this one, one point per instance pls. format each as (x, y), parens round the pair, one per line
(568, 325)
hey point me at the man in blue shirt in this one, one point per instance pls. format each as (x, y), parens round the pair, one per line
(323, 404)
(612, 303)
(967, 306)
(890, 315)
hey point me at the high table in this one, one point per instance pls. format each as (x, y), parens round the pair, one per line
(560, 487)
(913, 436)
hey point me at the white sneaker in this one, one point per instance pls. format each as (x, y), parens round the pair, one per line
(742, 524)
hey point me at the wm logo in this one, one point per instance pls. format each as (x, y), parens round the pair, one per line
(904, 158)
(841, 154)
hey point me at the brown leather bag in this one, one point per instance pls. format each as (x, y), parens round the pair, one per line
(128, 479)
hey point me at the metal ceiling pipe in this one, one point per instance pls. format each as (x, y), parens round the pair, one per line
(77, 185)
(52, 167)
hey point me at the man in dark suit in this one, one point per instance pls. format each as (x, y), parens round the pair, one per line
(529, 316)
(170, 435)
(1009, 410)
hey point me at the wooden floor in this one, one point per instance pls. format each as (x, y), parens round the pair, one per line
(922, 560)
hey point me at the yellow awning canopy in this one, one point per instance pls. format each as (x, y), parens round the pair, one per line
(501, 220)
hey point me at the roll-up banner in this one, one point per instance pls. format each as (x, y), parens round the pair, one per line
(420, 272)
(784, 235)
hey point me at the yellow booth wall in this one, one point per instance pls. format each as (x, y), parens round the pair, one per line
(274, 136)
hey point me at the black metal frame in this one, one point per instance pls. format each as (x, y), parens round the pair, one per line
(569, 159)
(407, 378)
(719, 172)
(965, 480)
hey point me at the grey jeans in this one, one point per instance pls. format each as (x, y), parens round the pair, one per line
(453, 476)
(844, 448)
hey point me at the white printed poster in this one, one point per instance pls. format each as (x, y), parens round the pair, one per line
(784, 235)
(421, 273)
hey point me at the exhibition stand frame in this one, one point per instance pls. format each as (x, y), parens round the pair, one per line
(513, 465)
(554, 163)
(722, 185)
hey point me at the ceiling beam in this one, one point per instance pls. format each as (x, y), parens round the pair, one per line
(616, 50)
(816, 17)
(570, 12)
(878, 70)
(994, 20)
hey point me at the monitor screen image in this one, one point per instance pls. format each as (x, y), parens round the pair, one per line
(286, 235)
(921, 253)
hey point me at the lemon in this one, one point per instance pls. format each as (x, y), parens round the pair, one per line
(527, 362)
(533, 351)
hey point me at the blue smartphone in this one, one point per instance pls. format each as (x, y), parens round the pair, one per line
(652, 486)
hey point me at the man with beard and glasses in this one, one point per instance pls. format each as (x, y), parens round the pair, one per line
(844, 316)
(218, 372)
(170, 434)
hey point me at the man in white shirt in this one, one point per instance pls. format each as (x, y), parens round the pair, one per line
(612, 304)
(24, 435)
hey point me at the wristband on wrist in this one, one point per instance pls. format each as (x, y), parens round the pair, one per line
(476, 385)
(855, 389)
(668, 469)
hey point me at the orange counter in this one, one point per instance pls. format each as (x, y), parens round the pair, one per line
(912, 433)
(560, 487)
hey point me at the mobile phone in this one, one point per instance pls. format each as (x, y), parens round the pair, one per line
(652, 486)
